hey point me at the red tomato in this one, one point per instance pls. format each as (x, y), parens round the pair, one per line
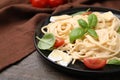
(39, 3)
(55, 3)
(94, 63)
(59, 42)
(30, 1)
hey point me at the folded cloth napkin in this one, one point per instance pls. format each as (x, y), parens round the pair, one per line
(18, 21)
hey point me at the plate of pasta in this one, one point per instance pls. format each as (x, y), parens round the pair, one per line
(83, 40)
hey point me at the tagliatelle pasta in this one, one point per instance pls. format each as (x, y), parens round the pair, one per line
(107, 46)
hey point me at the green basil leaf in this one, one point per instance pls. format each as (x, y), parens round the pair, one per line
(88, 10)
(83, 23)
(114, 61)
(118, 30)
(92, 33)
(46, 42)
(92, 20)
(76, 33)
(78, 13)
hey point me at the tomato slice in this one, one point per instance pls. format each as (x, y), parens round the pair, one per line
(59, 42)
(94, 63)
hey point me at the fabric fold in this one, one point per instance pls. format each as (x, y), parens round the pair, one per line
(18, 21)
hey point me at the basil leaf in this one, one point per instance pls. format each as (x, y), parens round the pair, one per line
(76, 33)
(114, 61)
(92, 20)
(78, 13)
(118, 30)
(88, 10)
(83, 23)
(46, 42)
(92, 33)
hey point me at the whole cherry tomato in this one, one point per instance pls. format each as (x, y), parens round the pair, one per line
(94, 63)
(55, 3)
(59, 42)
(30, 1)
(39, 3)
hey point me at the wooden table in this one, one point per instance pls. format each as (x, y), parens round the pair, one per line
(34, 67)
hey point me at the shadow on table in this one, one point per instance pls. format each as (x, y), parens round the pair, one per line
(71, 76)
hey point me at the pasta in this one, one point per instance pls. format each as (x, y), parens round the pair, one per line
(107, 46)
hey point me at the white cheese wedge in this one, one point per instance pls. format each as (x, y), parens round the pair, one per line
(57, 18)
(63, 63)
(108, 16)
(66, 59)
(55, 56)
(60, 57)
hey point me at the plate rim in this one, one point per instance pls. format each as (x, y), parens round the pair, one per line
(85, 72)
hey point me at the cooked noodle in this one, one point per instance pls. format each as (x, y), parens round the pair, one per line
(107, 46)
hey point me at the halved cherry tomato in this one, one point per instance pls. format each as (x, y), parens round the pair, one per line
(39, 3)
(94, 63)
(55, 3)
(59, 42)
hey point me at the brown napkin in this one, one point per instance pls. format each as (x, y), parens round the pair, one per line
(18, 21)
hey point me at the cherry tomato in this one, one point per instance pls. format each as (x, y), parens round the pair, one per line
(94, 63)
(55, 3)
(39, 3)
(59, 42)
(30, 1)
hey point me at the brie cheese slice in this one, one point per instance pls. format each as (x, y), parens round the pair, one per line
(60, 57)
(57, 18)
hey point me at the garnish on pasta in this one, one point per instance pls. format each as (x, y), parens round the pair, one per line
(95, 35)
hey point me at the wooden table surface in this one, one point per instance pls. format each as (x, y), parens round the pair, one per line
(34, 67)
